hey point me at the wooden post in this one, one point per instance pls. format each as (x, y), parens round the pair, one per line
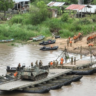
(81, 52)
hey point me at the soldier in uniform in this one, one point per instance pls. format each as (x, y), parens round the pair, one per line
(36, 62)
(40, 63)
(18, 67)
(31, 64)
(71, 60)
(56, 63)
(53, 63)
(74, 60)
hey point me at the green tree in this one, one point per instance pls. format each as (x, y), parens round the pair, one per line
(37, 16)
(5, 4)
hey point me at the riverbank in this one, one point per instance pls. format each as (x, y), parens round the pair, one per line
(62, 43)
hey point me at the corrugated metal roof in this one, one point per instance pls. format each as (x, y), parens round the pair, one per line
(75, 7)
(55, 3)
(17, 1)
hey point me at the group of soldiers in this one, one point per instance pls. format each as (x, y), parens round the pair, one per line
(55, 62)
(38, 64)
(75, 38)
(91, 38)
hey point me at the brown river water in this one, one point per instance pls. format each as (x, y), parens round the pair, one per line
(25, 54)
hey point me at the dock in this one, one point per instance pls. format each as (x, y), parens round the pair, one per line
(79, 64)
(21, 84)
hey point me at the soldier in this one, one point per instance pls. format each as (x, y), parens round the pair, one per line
(56, 63)
(53, 63)
(70, 43)
(18, 67)
(74, 60)
(71, 60)
(31, 64)
(36, 62)
(69, 38)
(40, 63)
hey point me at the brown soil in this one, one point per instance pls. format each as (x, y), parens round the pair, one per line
(62, 43)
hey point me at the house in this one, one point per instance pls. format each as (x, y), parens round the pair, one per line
(19, 4)
(55, 4)
(81, 9)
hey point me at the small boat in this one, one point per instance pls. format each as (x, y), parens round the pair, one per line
(47, 42)
(9, 40)
(49, 48)
(56, 37)
(38, 38)
(13, 69)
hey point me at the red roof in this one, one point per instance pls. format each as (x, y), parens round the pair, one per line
(75, 7)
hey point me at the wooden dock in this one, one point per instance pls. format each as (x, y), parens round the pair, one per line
(21, 84)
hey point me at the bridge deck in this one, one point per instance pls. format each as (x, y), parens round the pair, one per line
(13, 85)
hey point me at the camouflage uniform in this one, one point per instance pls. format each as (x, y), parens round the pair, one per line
(71, 60)
(74, 60)
(36, 62)
(31, 64)
(40, 63)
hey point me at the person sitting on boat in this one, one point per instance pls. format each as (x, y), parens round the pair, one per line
(51, 46)
(49, 41)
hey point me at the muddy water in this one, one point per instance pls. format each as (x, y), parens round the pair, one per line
(25, 54)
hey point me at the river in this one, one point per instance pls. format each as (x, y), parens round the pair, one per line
(25, 54)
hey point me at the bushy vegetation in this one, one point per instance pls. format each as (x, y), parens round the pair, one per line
(37, 22)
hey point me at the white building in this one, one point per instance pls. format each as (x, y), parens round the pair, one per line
(21, 3)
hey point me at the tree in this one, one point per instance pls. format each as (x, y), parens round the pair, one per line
(5, 4)
(40, 14)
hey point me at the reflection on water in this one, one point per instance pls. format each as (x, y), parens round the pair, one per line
(11, 56)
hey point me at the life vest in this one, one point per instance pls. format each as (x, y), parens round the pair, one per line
(62, 59)
(90, 45)
(15, 74)
(79, 34)
(61, 62)
(51, 63)
(70, 41)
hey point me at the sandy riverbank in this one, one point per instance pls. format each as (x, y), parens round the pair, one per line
(62, 43)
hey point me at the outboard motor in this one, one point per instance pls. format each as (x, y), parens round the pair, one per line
(8, 67)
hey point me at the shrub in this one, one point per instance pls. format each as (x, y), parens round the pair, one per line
(65, 17)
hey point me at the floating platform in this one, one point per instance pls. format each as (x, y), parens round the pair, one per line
(80, 64)
(22, 84)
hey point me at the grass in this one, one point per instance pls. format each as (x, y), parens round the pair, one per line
(20, 27)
